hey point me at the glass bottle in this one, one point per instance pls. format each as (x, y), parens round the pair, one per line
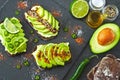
(95, 19)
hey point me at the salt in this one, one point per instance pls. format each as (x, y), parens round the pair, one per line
(97, 4)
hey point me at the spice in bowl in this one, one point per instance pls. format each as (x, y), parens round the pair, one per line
(111, 11)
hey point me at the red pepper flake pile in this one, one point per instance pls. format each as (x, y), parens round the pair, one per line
(79, 40)
(2, 57)
(28, 56)
(51, 78)
(22, 5)
(76, 30)
(56, 13)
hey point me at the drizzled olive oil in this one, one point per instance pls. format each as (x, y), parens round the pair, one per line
(94, 19)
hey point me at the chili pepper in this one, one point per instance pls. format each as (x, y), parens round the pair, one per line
(37, 77)
(74, 35)
(35, 40)
(81, 67)
(26, 63)
(18, 66)
(65, 29)
(17, 12)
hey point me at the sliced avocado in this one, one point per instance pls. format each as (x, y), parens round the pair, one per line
(98, 48)
(10, 48)
(50, 19)
(45, 59)
(16, 22)
(53, 23)
(44, 30)
(19, 44)
(47, 55)
(39, 27)
(47, 19)
(46, 15)
(36, 23)
(40, 11)
(57, 25)
(38, 56)
(56, 57)
(29, 18)
(64, 52)
(41, 60)
(50, 53)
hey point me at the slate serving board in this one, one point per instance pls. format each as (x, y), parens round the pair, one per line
(7, 66)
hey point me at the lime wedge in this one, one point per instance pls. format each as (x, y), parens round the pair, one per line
(10, 27)
(79, 8)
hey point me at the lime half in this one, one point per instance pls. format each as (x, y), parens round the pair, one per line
(10, 27)
(79, 8)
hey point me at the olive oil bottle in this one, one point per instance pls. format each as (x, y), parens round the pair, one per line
(94, 19)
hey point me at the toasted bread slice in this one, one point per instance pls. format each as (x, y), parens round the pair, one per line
(43, 22)
(14, 42)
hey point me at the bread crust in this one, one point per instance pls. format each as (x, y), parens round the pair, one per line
(107, 69)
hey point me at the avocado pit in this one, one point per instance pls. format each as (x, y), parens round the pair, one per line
(106, 36)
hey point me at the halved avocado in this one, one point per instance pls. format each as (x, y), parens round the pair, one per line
(96, 47)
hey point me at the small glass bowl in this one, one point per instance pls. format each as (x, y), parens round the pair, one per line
(97, 4)
(111, 12)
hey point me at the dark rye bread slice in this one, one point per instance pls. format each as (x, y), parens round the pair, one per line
(107, 69)
(39, 19)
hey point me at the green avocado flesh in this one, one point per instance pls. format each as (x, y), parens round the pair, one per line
(96, 47)
(49, 55)
(45, 27)
(13, 42)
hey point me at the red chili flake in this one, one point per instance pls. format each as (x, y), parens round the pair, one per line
(28, 56)
(79, 40)
(2, 57)
(76, 28)
(56, 13)
(22, 5)
(51, 78)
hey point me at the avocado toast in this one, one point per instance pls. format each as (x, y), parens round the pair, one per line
(43, 22)
(12, 36)
(49, 55)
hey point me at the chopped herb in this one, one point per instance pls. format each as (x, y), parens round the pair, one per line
(26, 63)
(74, 35)
(17, 12)
(35, 40)
(65, 29)
(18, 66)
(37, 77)
(31, 32)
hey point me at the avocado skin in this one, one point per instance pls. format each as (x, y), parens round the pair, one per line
(49, 55)
(95, 47)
